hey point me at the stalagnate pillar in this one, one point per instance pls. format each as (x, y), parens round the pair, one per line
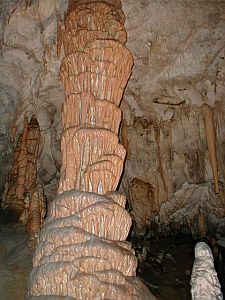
(82, 252)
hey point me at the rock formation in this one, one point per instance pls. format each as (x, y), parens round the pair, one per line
(82, 252)
(23, 176)
(34, 213)
(177, 74)
(190, 206)
(211, 141)
(204, 280)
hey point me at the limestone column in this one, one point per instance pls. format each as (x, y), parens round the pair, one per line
(82, 251)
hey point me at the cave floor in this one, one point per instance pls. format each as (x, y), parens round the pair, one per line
(165, 264)
(167, 267)
(15, 259)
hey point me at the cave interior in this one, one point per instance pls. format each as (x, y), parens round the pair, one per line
(172, 128)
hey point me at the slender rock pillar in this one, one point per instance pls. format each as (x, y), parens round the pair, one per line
(210, 131)
(82, 252)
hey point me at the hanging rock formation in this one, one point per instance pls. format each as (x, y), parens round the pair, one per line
(163, 126)
(82, 252)
(211, 141)
(24, 171)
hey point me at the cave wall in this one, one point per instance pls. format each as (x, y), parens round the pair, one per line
(178, 49)
(29, 82)
(179, 55)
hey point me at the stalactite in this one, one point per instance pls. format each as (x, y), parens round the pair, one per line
(22, 163)
(157, 129)
(24, 171)
(82, 252)
(14, 188)
(211, 141)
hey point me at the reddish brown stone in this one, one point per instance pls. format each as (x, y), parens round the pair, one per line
(83, 109)
(24, 171)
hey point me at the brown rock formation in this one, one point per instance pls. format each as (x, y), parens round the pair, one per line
(142, 210)
(34, 213)
(211, 141)
(82, 252)
(24, 172)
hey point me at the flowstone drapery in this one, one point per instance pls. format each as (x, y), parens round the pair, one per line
(82, 252)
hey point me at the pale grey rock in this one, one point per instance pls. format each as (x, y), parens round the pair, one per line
(204, 281)
(186, 204)
(179, 63)
(29, 80)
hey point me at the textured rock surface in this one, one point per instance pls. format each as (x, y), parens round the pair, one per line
(81, 251)
(23, 175)
(179, 65)
(204, 280)
(175, 73)
(29, 81)
(36, 212)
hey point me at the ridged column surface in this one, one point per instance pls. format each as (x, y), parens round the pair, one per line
(82, 252)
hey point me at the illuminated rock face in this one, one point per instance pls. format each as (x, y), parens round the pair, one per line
(82, 252)
(204, 280)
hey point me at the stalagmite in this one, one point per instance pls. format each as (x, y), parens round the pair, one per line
(36, 213)
(204, 280)
(82, 252)
(211, 141)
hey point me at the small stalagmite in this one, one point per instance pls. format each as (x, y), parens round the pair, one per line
(82, 251)
(34, 213)
(210, 131)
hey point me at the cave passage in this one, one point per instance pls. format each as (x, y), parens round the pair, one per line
(172, 129)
